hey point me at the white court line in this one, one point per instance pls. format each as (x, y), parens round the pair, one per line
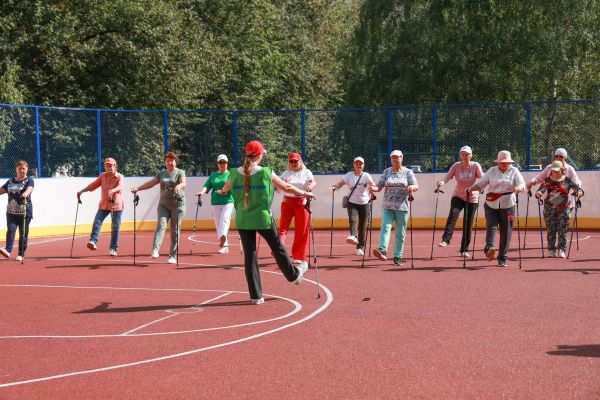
(172, 315)
(186, 353)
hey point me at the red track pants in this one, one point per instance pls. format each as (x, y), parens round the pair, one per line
(293, 207)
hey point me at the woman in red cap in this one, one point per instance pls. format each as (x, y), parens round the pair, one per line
(111, 202)
(252, 187)
(293, 206)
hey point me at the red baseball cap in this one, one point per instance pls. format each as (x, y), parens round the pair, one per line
(295, 156)
(255, 148)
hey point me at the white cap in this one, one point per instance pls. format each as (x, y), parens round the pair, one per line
(561, 152)
(362, 160)
(466, 149)
(222, 157)
(396, 153)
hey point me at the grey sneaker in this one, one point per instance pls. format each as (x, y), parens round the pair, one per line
(551, 253)
(443, 244)
(561, 254)
(502, 263)
(398, 261)
(380, 254)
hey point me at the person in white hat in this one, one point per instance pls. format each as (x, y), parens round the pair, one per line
(558, 189)
(399, 183)
(358, 183)
(221, 204)
(560, 154)
(466, 172)
(504, 181)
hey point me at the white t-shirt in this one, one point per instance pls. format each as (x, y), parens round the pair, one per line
(360, 195)
(302, 180)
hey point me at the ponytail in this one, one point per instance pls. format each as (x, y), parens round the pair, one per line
(247, 164)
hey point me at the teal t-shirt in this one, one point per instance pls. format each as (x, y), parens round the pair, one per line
(258, 214)
(215, 182)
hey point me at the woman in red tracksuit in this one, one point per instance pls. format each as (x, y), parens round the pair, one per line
(292, 206)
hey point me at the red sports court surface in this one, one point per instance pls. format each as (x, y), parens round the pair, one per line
(94, 327)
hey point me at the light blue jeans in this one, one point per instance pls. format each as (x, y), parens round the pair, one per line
(401, 218)
(116, 226)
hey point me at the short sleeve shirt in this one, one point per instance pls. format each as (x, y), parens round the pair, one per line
(360, 195)
(215, 182)
(302, 180)
(395, 184)
(168, 181)
(15, 188)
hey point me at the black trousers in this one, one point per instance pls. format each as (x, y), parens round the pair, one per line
(456, 206)
(248, 238)
(14, 222)
(358, 216)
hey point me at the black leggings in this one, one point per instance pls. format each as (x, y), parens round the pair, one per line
(248, 238)
(456, 206)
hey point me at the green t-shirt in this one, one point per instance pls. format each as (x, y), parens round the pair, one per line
(168, 181)
(215, 182)
(258, 214)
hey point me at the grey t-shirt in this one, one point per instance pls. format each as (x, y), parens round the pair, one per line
(168, 181)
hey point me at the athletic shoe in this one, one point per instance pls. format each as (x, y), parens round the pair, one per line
(380, 253)
(360, 252)
(302, 268)
(352, 240)
(502, 263)
(92, 245)
(19, 258)
(258, 301)
(223, 250)
(551, 253)
(398, 261)
(172, 260)
(154, 254)
(443, 244)
(112, 252)
(222, 240)
(490, 253)
(465, 254)
(561, 254)
(4, 252)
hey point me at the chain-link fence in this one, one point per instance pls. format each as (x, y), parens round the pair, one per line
(73, 142)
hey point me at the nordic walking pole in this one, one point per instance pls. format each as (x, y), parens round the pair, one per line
(464, 238)
(369, 222)
(176, 236)
(437, 192)
(540, 202)
(519, 229)
(526, 219)
(331, 229)
(111, 201)
(373, 198)
(412, 255)
(314, 248)
(75, 226)
(198, 205)
(136, 200)
(577, 205)
(23, 233)
(476, 217)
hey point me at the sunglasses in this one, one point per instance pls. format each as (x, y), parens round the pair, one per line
(558, 156)
(221, 162)
(294, 161)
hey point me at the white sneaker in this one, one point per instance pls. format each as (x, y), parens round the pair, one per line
(465, 254)
(561, 254)
(4, 252)
(352, 240)
(258, 301)
(551, 253)
(112, 252)
(443, 244)
(19, 258)
(223, 250)
(154, 254)
(172, 260)
(92, 245)
(302, 268)
(360, 252)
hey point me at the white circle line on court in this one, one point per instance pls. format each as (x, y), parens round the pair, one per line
(324, 306)
(297, 308)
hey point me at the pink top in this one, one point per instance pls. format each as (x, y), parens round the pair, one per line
(108, 182)
(569, 171)
(465, 178)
